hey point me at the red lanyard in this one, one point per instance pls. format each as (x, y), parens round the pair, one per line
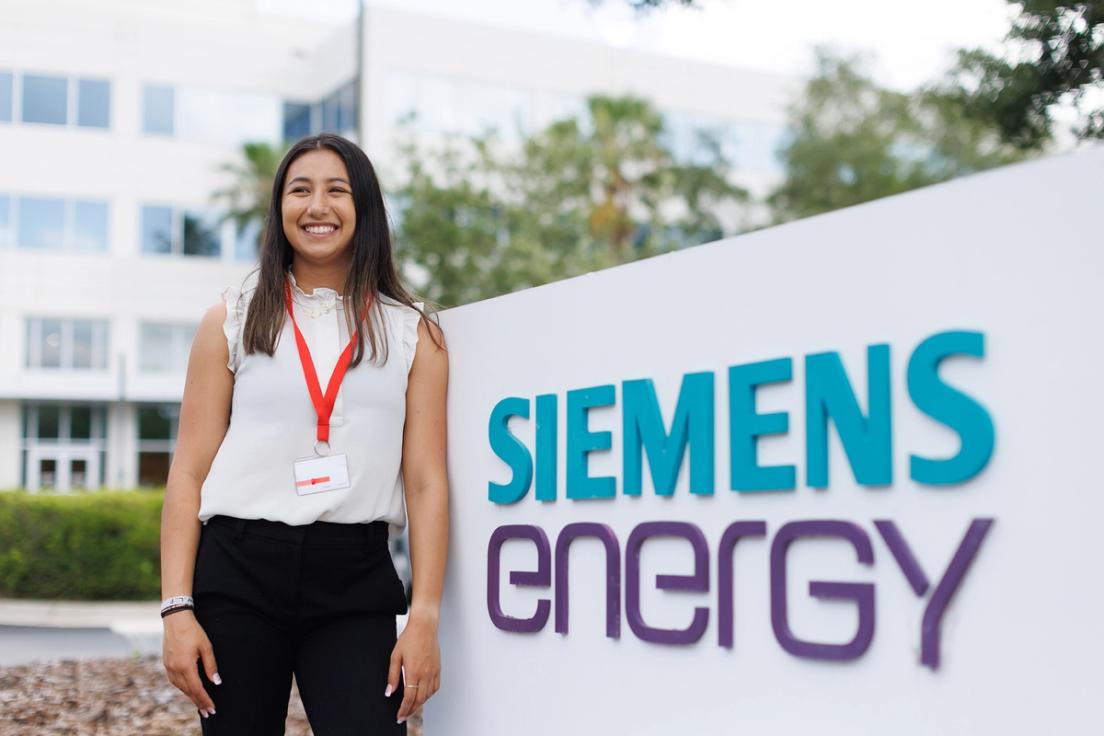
(323, 405)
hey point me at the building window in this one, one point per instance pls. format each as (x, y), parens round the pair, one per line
(47, 223)
(94, 103)
(89, 226)
(247, 241)
(157, 230)
(7, 237)
(747, 145)
(201, 234)
(157, 426)
(41, 223)
(449, 105)
(164, 347)
(5, 97)
(335, 113)
(45, 99)
(178, 231)
(211, 116)
(63, 446)
(297, 120)
(339, 109)
(76, 344)
(158, 109)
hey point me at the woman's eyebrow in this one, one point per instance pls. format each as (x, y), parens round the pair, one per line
(303, 178)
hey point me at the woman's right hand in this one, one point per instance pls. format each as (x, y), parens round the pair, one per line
(183, 644)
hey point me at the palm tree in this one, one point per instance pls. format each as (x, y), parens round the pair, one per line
(247, 199)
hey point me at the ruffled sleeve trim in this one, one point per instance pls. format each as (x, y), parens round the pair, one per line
(231, 327)
(411, 318)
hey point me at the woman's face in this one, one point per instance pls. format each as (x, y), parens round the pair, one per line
(318, 213)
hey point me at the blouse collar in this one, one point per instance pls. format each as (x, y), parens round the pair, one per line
(320, 301)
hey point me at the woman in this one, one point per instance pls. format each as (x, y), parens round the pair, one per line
(277, 514)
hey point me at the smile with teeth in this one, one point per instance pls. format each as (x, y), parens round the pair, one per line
(320, 229)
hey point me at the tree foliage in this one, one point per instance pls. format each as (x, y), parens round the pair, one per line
(853, 141)
(246, 199)
(1064, 44)
(583, 194)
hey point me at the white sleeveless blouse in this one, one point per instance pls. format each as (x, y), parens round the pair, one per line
(273, 422)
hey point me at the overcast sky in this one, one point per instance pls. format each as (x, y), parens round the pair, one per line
(912, 42)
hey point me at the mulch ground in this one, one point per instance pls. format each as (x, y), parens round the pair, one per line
(111, 697)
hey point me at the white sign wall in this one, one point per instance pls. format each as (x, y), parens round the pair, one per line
(964, 323)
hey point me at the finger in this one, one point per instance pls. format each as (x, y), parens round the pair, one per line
(393, 673)
(423, 691)
(210, 667)
(197, 692)
(409, 697)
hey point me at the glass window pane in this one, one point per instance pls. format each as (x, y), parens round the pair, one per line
(157, 230)
(158, 103)
(201, 235)
(94, 103)
(82, 343)
(50, 344)
(154, 423)
(246, 241)
(228, 117)
(90, 226)
(80, 422)
(346, 107)
(78, 473)
(297, 120)
(155, 347)
(49, 422)
(41, 223)
(44, 99)
(5, 220)
(330, 112)
(5, 97)
(153, 468)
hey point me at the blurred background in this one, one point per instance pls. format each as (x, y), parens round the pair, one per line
(518, 143)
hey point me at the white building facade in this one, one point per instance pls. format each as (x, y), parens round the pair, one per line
(115, 120)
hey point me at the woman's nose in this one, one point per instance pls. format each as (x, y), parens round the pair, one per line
(319, 204)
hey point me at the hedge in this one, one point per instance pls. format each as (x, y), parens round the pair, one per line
(83, 545)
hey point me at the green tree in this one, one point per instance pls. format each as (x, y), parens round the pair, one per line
(582, 194)
(1064, 47)
(247, 198)
(852, 141)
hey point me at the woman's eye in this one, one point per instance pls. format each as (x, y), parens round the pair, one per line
(338, 189)
(298, 189)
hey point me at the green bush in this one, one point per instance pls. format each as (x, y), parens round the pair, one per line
(84, 545)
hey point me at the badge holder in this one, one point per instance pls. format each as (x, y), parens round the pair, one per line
(322, 472)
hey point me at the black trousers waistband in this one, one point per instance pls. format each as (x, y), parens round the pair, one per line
(323, 532)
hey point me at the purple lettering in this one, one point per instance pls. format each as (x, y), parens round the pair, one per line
(540, 578)
(697, 582)
(931, 624)
(861, 593)
(735, 531)
(608, 538)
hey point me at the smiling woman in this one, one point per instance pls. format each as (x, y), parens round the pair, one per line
(290, 561)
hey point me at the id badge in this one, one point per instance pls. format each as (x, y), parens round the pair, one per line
(321, 473)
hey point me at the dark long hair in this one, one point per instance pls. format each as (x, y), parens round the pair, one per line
(371, 273)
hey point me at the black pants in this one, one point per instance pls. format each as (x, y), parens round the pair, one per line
(317, 600)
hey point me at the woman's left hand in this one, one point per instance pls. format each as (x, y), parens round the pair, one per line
(416, 654)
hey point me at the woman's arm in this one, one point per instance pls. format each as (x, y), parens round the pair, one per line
(204, 417)
(426, 484)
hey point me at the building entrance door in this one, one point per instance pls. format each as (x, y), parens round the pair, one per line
(62, 468)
